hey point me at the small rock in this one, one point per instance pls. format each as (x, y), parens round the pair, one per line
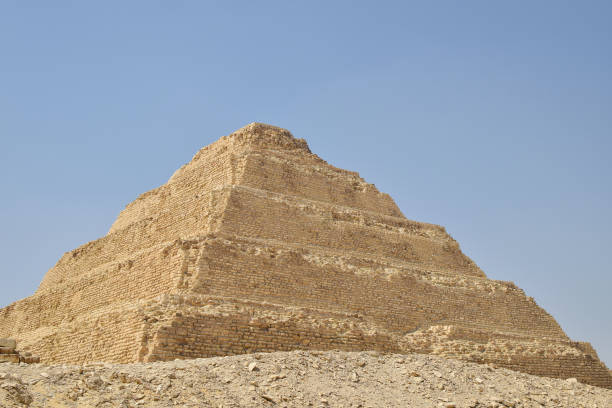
(18, 392)
(268, 398)
(572, 381)
(253, 366)
(496, 399)
(276, 377)
(94, 382)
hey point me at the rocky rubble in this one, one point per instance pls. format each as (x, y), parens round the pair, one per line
(292, 379)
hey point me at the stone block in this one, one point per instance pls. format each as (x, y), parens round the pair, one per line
(8, 343)
(9, 358)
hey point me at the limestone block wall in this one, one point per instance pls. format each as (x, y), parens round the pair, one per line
(112, 334)
(582, 367)
(264, 215)
(8, 352)
(143, 276)
(312, 277)
(198, 215)
(307, 176)
(205, 326)
(555, 358)
(212, 168)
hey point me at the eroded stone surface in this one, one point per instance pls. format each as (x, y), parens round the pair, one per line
(258, 245)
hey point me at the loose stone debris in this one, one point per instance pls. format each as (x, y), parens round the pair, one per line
(292, 379)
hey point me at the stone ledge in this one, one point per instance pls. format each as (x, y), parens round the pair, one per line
(9, 358)
(8, 343)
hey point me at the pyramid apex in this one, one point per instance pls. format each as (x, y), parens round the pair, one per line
(269, 136)
(258, 127)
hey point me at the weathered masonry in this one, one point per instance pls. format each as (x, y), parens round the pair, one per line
(259, 245)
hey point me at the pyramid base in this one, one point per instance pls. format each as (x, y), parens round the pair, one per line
(206, 326)
(111, 334)
(196, 326)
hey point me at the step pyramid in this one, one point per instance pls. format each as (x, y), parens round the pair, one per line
(258, 245)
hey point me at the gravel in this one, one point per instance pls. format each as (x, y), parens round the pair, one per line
(292, 379)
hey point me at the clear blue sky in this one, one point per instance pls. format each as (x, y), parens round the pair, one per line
(493, 119)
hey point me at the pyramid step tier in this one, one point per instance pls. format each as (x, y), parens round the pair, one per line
(326, 279)
(254, 213)
(194, 326)
(305, 276)
(251, 212)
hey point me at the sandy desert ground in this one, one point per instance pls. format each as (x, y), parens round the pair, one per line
(291, 379)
